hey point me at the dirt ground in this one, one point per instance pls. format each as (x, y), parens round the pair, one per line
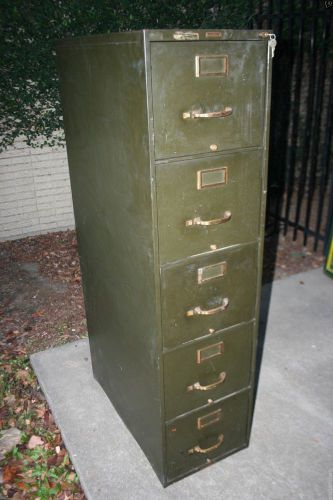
(41, 306)
(284, 257)
(41, 300)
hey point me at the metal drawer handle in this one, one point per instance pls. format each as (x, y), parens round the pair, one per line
(212, 114)
(198, 449)
(198, 387)
(197, 221)
(197, 311)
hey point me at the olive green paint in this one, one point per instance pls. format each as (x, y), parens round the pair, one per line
(182, 433)
(108, 154)
(176, 89)
(133, 165)
(181, 292)
(182, 370)
(179, 200)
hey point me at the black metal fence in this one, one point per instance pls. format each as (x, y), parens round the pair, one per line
(300, 186)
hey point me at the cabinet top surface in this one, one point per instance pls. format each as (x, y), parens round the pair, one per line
(166, 35)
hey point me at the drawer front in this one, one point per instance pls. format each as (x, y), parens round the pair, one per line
(201, 78)
(207, 189)
(207, 435)
(208, 293)
(207, 369)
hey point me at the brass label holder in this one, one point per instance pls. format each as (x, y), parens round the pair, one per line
(214, 35)
(209, 419)
(212, 177)
(186, 35)
(210, 352)
(213, 271)
(211, 65)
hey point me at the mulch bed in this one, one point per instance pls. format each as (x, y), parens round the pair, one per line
(284, 257)
(41, 306)
(41, 301)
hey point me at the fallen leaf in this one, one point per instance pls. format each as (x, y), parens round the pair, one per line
(60, 457)
(7, 368)
(38, 313)
(71, 476)
(46, 416)
(23, 376)
(10, 492)
(41, 412)
(10, 400)
(35, 441)
(23, 485)
(9, 472)
(18, 496)
(27, 474)
(65, 497)
(57, 438)
(51, 461)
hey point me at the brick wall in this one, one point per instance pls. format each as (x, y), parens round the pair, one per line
(35, 193)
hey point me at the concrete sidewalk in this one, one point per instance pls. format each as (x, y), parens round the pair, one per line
(291, 450)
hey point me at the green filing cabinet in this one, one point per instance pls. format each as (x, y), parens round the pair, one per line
(167, 138)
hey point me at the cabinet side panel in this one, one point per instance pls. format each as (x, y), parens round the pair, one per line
(264, 173)
(104, 102)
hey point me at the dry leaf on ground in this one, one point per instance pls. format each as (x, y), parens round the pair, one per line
(34, 441)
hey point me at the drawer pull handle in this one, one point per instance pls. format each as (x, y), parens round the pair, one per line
(197, 221)
(212, 114)
(198, 449)
(197, 311)
(198, 387)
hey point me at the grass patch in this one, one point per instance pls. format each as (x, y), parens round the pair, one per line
(39, 466)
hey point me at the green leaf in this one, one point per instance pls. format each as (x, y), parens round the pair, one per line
(29, 94)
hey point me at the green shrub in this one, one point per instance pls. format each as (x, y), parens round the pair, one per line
(29, 96)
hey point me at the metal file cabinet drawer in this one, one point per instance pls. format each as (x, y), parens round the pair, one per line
(207, 369)
(208, 201)
(208, 293)
(207, 434)
(206, 78)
